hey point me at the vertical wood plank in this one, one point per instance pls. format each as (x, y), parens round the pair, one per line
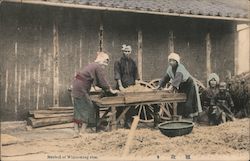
(208, 54)
(38, 79)
(236, 52)
(101, 31)
(19, 84)
(55, 66)
(139, 56)
(33, 96)
(15, 95)
(6, 85)
(171, 41)
(113, 124)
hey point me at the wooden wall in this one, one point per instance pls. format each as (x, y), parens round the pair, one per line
(42, 48)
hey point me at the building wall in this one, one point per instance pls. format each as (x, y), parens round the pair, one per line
(243, 49)
(28, 49)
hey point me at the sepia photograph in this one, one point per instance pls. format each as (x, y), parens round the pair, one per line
(125, 80)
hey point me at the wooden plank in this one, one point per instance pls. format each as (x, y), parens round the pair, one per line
(113, 118)
(139, 97)
(60, 126)
(39, 115)
(49, 121)
(101, 36)
(139, 57)
(130, 136)
(55, 65)
(208, 53)
(148, 97)
(236, 53)
(61, 108)
(171, 41)
(32, 112)
(106, 101)
(38, 78)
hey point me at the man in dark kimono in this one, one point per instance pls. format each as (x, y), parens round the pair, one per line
(84, 109)
(181, 81)
(126, 74)
(125, 69)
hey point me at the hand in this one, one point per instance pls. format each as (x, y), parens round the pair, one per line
(121, 88)
(113, 91)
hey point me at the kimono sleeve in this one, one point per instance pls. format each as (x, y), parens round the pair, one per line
(164, 80)
(177, 80)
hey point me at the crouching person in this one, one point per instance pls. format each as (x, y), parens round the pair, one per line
(220, 111)
(84, 109)
(208, 99)
(225, 103)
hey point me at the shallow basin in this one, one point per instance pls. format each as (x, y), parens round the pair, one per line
(176, 128)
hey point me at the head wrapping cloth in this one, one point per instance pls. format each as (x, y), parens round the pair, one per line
(213, 76)
(102, 58)
(175, 57)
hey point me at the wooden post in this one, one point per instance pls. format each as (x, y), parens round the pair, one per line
(130, 136)
(6, 85)
(139, 56)
(208, 53)
(16, 78)
(236, 47)
(101, 37)
(175, 108)
(38, 78)
(171, 41)
(55, 65)
(113, 122)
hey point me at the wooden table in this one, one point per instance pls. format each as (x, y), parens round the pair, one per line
(127, 100)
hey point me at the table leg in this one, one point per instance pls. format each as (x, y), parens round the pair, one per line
(113, 121)
(175, 108)
(156, 116)
(97, 118)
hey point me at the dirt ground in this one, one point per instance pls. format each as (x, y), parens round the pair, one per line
(229, 141)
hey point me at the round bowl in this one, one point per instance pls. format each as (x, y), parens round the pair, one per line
(176, 128)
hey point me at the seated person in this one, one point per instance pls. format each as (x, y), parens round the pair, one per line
(208, 98)
(225, 103)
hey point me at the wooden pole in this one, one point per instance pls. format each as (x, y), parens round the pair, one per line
(55, 66)
(130, 136)
(101, 36)
(140, 53)
(113, 118)
(171, 41)
(236, 47)
(208, 54)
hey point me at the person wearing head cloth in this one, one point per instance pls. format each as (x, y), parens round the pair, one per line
(209, 94)
(84, 109)
(125, 75)
(208, 97)
(181, 81)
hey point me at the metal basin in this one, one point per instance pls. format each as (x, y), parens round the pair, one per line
(176, 128)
